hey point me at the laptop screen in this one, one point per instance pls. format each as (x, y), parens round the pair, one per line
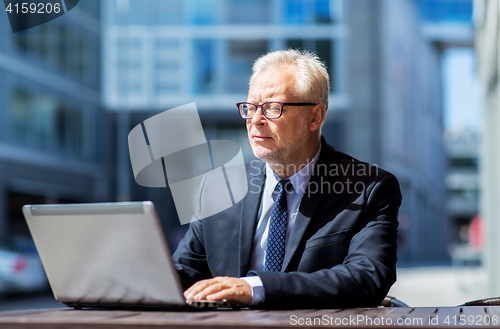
(105, 253)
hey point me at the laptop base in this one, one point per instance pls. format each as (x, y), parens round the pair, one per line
(189, 306)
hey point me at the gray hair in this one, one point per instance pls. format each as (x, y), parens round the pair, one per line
(312, 80)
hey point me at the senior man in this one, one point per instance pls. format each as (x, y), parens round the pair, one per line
(317, 229)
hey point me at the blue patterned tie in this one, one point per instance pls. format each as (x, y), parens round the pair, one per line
(275, 251)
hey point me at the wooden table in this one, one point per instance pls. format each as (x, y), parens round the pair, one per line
(407, 317)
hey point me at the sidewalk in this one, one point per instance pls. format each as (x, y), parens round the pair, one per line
(440, 286)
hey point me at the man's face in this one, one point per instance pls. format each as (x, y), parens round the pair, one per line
(279, 141)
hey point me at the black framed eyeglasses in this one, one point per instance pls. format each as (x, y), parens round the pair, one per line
(271, 110)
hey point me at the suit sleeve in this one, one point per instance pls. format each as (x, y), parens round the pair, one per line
(366, 274)
(211, 244)
(190, 256)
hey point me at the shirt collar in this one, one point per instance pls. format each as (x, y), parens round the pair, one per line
(299, 180)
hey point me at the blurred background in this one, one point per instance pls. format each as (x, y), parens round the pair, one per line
(414, 89)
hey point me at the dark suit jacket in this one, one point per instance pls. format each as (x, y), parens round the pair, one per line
(341, 253)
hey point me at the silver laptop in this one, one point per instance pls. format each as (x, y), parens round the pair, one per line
(107, 255)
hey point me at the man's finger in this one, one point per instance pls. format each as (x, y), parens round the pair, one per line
(197, 288)
(221, 288)
(231, 295)
(210, 290)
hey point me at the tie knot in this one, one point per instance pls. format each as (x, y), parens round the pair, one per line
(284, 185)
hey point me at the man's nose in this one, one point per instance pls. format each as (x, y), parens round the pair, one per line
(258, 117)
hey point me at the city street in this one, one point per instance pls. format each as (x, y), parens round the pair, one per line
(440, 286)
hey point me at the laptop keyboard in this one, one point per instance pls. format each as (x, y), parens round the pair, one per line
(212, 304)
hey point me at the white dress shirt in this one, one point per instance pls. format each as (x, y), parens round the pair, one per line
(299, 182)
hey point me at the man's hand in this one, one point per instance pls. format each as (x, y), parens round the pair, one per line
(221, 288)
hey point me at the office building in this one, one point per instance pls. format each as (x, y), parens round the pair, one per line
(487, 31)
(395, 119)
(448, 26)
(53, 132)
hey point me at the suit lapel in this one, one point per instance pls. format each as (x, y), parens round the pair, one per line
(248, 217)
(304, 215)
(310, 201)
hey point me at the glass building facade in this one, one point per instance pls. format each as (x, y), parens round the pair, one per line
(445, 11)
(161, 54)
(53, 131)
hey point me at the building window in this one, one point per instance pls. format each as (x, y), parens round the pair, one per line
(68, 123)
(463, 163)
(21, 112)
(128, 86)
(242, 54)
(168, 68)
(465, 193)
(249, 12)
(200, 12)
(203, 66)
(63, 47)
(302, 12)
(149, 12)
(90, 7)
(40, 120)
(167, 88)
(438, 11)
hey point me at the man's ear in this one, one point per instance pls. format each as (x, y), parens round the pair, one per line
(317, 117)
